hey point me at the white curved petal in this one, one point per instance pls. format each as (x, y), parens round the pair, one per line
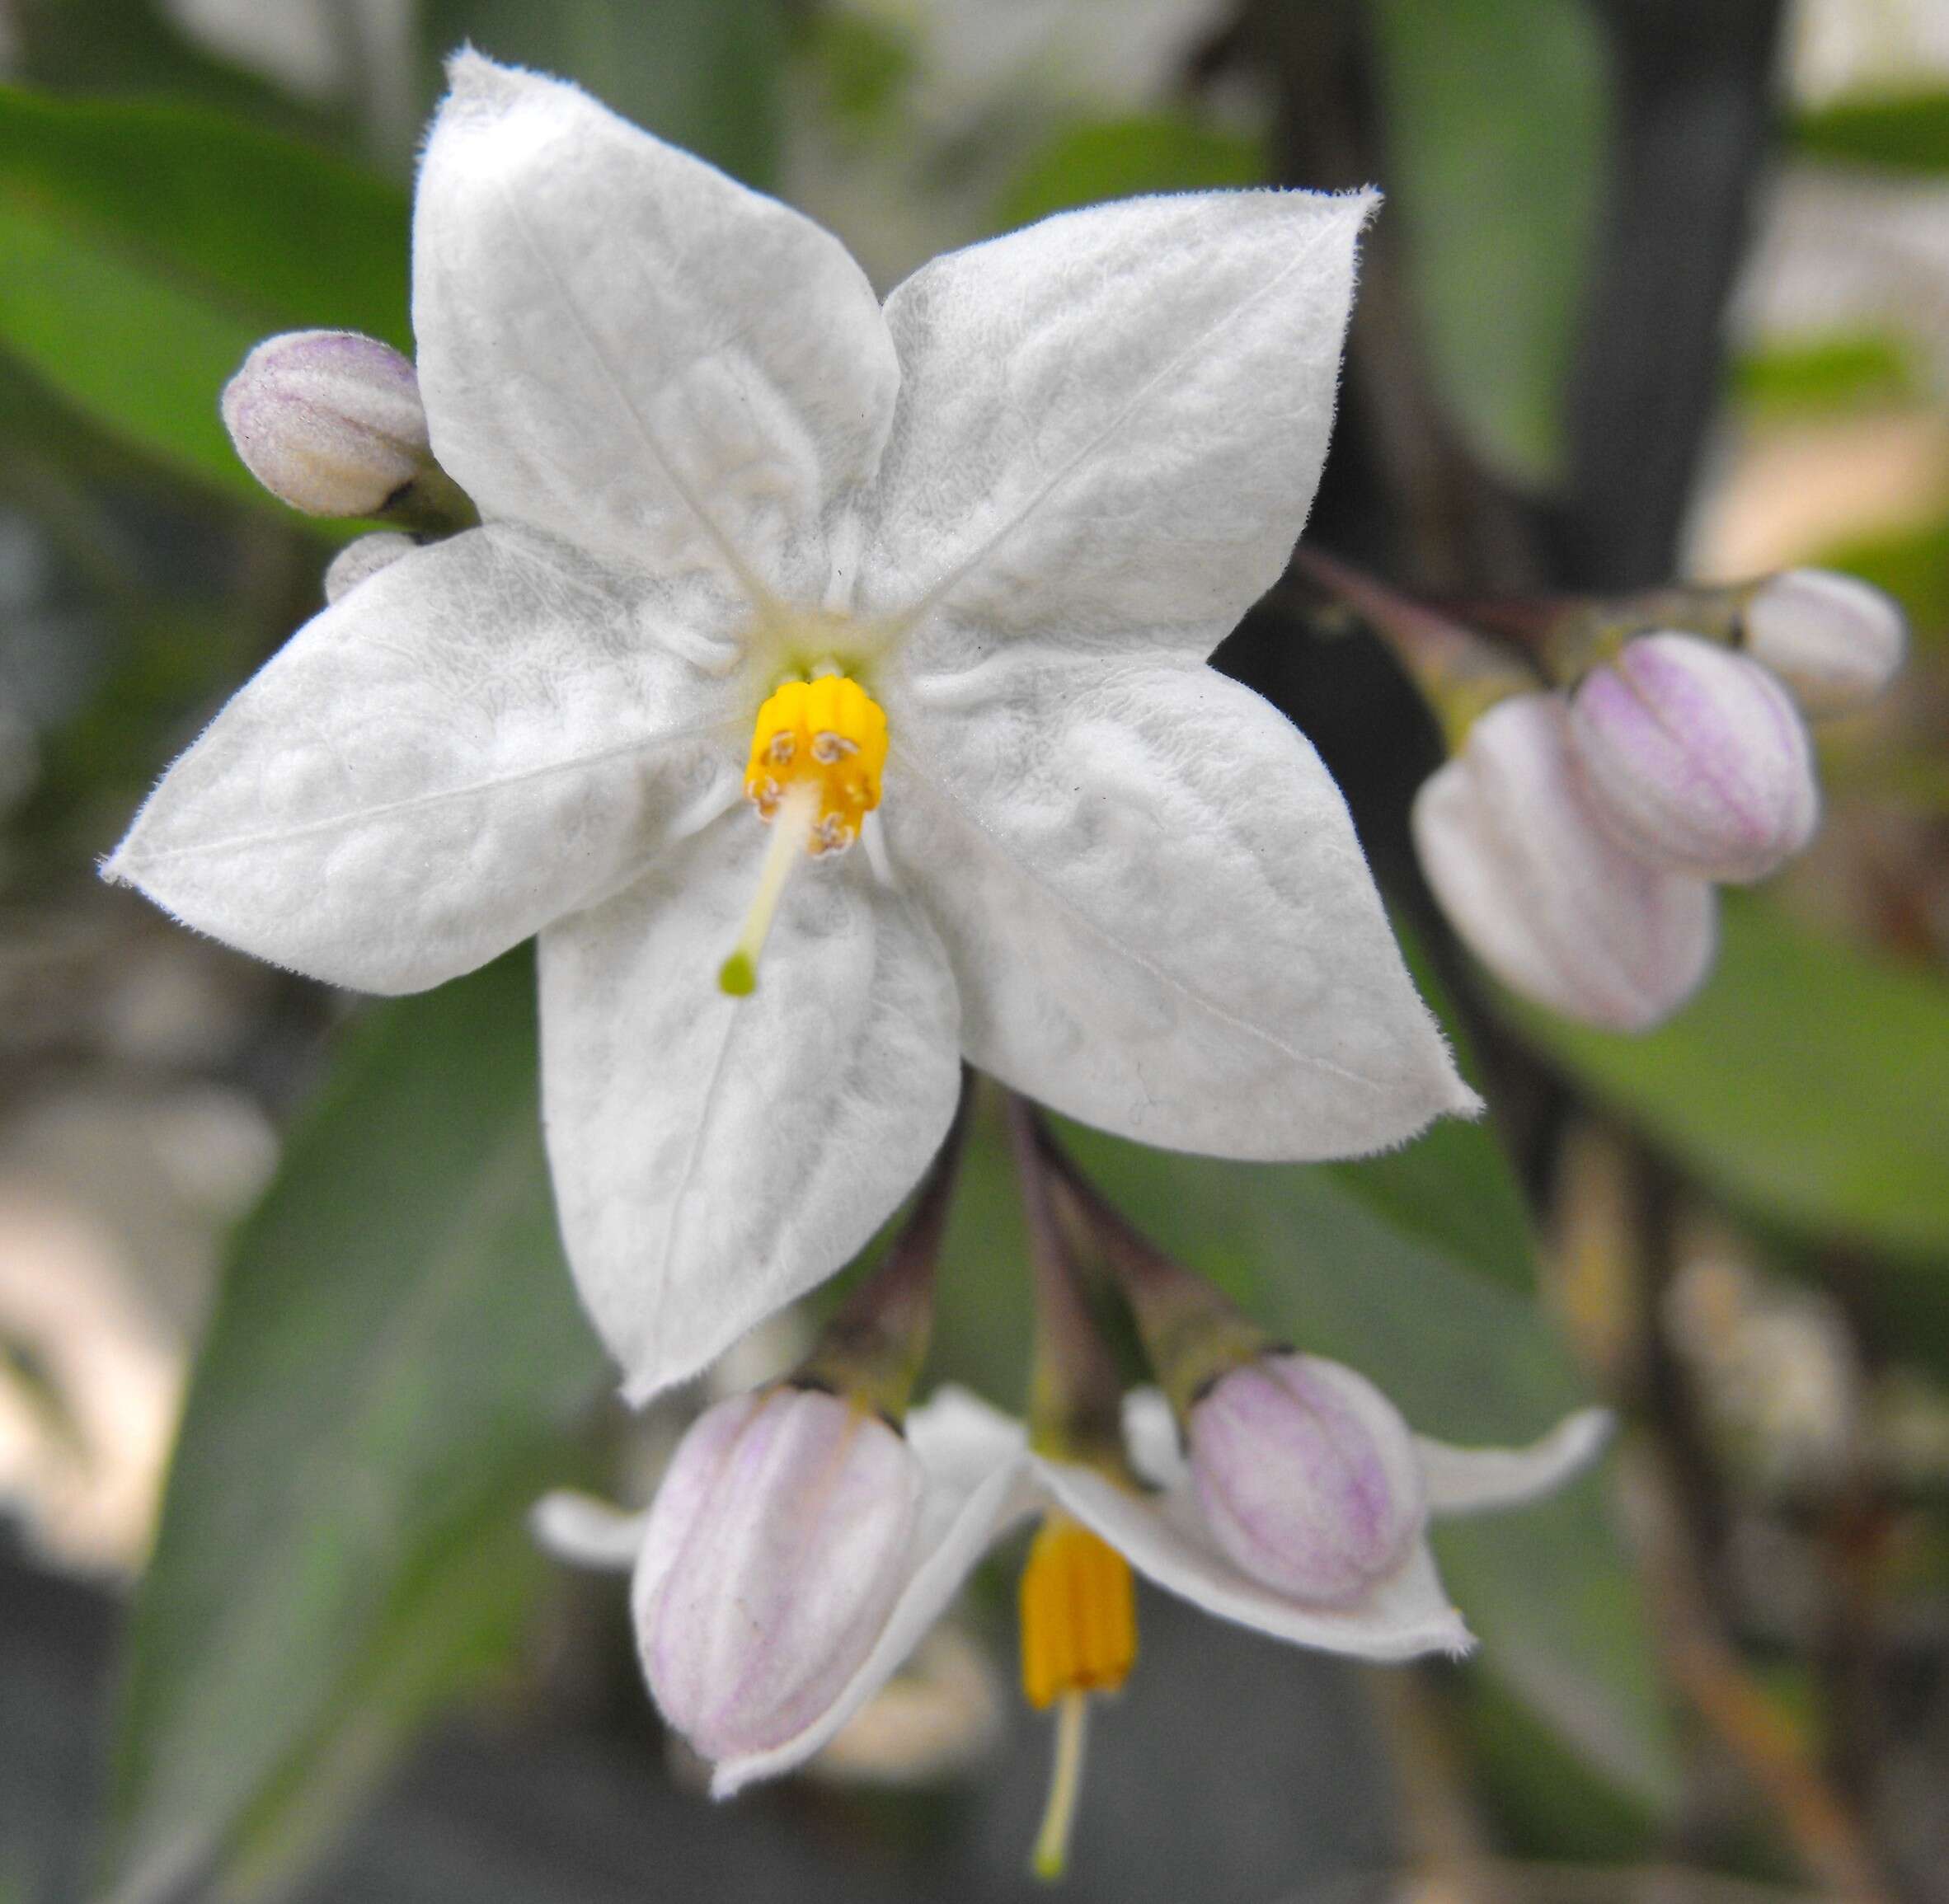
(1473, 1481)
(1161, 1536)
(982, 1486)
(1110, 425)
(960, 1437)
(1151, 1438)
(477, 739)
(620, 344)
(1159, 914)
(587, 1532)
(715, 1157)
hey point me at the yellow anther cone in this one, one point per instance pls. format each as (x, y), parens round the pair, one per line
(1078, 1614)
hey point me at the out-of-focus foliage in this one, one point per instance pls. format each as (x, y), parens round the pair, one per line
(394, 1359)
(145, 249)
(1496, 112)
(1123, 158)
(1906, 132)
(1805, 1082)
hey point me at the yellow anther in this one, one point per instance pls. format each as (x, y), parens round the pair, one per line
(1078, 1614)
(827, 735)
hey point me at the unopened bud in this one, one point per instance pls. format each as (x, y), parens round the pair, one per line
(330, 422)
(1307, 1477)
(1834, 640)
(360, 561)
(1695, 758)
(1545, 896)
(775, 1550)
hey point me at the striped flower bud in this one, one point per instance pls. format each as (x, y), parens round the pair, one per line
(329, 421)
(1834, 640)
(1695, 758)
(1307, 1477)
(1542, 892)
(774, 1552)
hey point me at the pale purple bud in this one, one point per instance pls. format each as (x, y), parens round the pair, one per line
(1695, 758)
(1834, 640)
(1307, 1477)
(775, 1550)
(359, 560)
(328, 421)
(1544, 896)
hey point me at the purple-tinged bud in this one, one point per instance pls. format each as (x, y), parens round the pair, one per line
(360, 560)
(1834, 640)
(775, 1550)
(1695, 758)
(1307, 1477)
(1545, 897)
(329, 421)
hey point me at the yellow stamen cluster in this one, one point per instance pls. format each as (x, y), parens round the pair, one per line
(1078, 1614)
(828, 735)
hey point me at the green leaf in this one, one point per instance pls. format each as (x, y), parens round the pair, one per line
(395, 1354)
(1901, 132)
(145, 249)
(1837, 371)
(703, 74)
(1121, 158)
(1497, 116)
(271, 230)
(1806, 1083)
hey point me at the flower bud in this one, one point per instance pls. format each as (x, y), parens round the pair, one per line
(359, 560)
(775, 1550)
(329, 421)
(1695, 758)
(1835, 640)
(1307, 1477)
(1542, 892)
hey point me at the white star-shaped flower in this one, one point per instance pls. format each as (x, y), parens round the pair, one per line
(987, 536)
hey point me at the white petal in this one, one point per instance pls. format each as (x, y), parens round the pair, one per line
(960, 1437)
(1159, 914)
(715, 1157)
(475, 740)
(587, 1532)
(979, 1483)
(620, 344)
(1151, 1438)
(1472, 1481)
(1110, 425)
(1161, 1537)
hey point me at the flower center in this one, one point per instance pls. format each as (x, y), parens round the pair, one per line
(1078, 1636)
(818, 749)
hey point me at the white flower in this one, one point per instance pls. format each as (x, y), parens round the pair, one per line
(1009, 513)
(982, 1478)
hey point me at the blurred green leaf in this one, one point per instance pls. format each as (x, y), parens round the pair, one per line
(394, 1354)
(267, 228)
(145, 249)
(1902, 132)
(703, 74)
(1498, 124)
(1316, 1259)
(1806, 1083)
(1121, 158)
(1845, 370)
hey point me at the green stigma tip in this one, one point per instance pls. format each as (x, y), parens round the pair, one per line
(737, 975)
